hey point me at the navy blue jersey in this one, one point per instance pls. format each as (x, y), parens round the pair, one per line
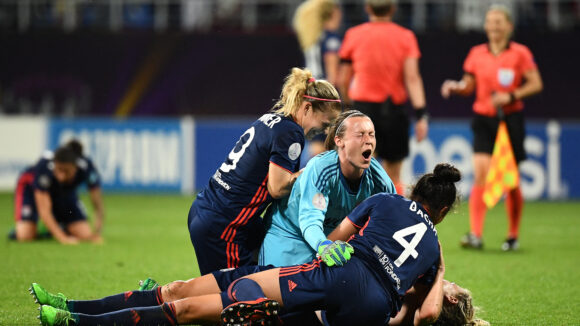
(238, 189)
(329, 42)
(45, 180)
(397, 241)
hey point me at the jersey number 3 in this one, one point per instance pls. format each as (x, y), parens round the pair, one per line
(236, 156)
(418, 230)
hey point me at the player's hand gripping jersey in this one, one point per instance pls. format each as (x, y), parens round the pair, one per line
(319, 200)
(224, 219)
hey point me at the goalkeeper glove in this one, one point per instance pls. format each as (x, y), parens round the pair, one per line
(334, 253)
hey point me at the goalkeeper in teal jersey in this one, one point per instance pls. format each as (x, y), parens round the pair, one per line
(331, 185)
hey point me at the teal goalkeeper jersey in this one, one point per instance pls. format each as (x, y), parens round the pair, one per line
(319, 200)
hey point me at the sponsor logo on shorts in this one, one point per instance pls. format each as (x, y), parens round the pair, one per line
(291, 285)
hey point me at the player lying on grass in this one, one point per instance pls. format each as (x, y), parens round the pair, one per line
(224, 220)
(330, 187)
(457, 306)
(365, 291)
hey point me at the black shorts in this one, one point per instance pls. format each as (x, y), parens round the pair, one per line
(485, 130)
(391, 128)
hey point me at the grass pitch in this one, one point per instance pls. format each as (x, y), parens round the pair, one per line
(146, 235)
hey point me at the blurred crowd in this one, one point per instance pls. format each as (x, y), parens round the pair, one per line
(251, 15)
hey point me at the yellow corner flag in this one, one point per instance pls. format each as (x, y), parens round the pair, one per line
(503, 171)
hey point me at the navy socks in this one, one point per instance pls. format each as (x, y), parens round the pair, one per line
(129, 299)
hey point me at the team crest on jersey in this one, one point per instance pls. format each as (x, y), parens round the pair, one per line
(44, 181)
(505, 76)
(318, 201)
(294, 151)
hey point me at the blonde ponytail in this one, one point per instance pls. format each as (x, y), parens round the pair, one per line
(309, 20)
(300, 86)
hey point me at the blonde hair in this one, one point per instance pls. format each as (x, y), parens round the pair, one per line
(460, 314)
(300, 83)
(504, 10)
(309, 20)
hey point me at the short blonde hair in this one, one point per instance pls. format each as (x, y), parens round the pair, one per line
(309, 20)
(300, 83)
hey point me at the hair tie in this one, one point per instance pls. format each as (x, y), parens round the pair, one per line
(321, 99)
(311, 80)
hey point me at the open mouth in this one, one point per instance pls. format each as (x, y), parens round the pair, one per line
(366, 154)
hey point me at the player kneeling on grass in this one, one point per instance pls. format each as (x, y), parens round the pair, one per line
(330, 187)
(367, 290)
(47, 192)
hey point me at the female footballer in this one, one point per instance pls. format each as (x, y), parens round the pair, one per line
(502, 73)
(330, 187)
(395, 248)
(316, 23)
(48, 190)
(224, 220)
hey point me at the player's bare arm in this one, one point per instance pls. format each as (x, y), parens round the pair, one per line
(97, 201)
(280, 181)
(343, 231)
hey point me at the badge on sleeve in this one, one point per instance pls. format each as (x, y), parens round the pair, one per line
(44, 181)
(318, 201)
(294, 151)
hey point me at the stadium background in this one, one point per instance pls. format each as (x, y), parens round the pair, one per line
(159, 90)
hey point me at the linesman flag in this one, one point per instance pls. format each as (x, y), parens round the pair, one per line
(503, 171)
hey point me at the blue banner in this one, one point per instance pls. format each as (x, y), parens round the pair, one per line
(133, 155)
(548, 172)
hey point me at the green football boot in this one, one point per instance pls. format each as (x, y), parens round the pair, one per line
(43, 297)
(51, 316)
(148, 284)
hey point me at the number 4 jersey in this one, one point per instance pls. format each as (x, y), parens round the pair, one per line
(238, 189)
(397, 241)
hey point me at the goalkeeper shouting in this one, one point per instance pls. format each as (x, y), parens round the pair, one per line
(331, 186)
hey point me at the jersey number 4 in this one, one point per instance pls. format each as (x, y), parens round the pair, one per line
(236, 156)
(418, 230)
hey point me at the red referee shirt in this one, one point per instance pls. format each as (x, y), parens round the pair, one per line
(501, 73)
(377, 51)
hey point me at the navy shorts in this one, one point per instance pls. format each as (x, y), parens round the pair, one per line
(225, 277)
(350, 295)
(392, 127)
(65, 209)
(485, 130)
(212, 252)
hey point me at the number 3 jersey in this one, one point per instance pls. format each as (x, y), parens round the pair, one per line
(397, 241)
(238, 189)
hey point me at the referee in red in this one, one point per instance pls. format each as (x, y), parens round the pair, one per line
(502, 73)
(379, 65)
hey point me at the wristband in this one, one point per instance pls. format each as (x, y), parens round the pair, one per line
(421, 114)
